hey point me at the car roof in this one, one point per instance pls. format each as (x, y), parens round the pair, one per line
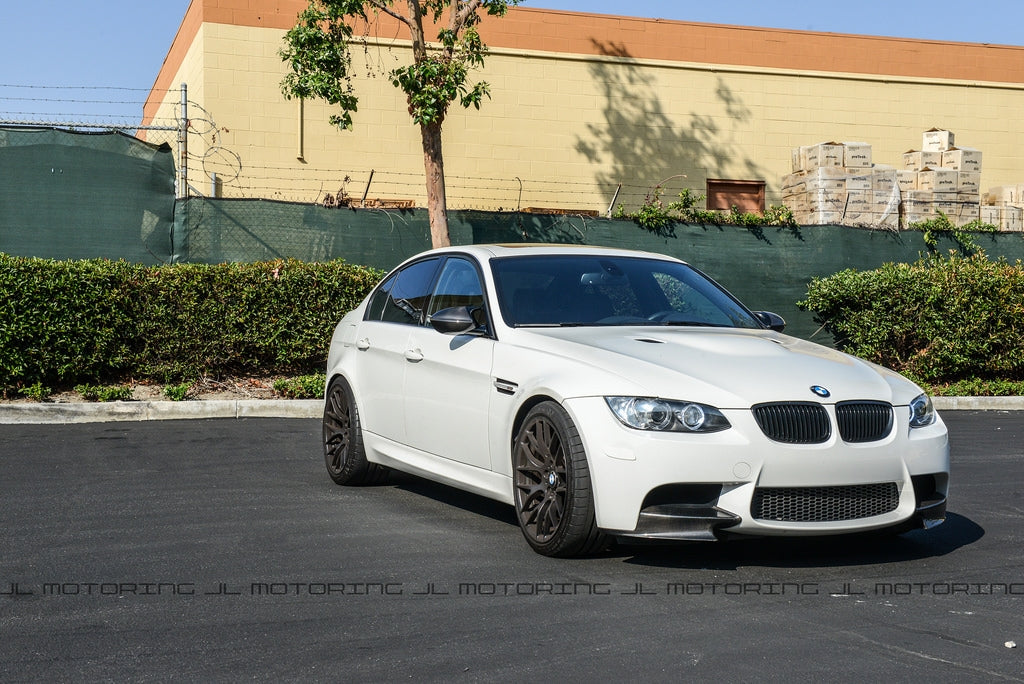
(485, 252)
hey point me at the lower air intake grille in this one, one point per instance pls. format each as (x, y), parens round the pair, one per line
(794, 423)
(824, 504)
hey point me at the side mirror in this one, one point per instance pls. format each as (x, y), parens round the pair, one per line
(772, 321)
(456, 320)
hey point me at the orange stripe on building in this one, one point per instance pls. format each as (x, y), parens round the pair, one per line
(655, 39)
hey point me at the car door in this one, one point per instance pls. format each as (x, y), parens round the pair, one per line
(396, 309)
(448, 377)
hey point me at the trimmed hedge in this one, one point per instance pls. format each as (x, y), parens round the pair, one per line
(62, 323)
(939, 320)
(69, 322)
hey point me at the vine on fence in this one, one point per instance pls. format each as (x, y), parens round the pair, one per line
(941, 226)
(660, 218)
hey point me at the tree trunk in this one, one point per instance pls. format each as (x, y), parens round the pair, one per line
(433, 160)
(437, 203)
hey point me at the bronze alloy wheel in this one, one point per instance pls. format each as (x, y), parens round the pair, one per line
(540, 478)
(344, 454)
(553, 499)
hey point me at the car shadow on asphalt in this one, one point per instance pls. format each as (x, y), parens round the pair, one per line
(876, 548)
(457, 498)
(781, 552)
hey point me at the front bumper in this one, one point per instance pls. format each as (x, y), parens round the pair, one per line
(680, 521)
(631, 470)
(687, 522)
(929, 514)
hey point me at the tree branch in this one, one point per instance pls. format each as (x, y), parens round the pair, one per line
(385, 7)
(459, 18)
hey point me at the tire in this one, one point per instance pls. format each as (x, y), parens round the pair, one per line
(553, 498)
(344, 454)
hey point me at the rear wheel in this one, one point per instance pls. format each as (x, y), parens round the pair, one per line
(343, 439)
(553, 498)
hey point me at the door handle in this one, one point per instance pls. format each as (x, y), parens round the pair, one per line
(413, 355)
(363, 344)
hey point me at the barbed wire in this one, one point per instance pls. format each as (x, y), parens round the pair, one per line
(29, 86)
(348, 186)
(308, 183)
(224, 167)
(8, 98)
(479, 192)
(100, 118)
(78, 106)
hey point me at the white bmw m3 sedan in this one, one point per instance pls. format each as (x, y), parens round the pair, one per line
(607, 393)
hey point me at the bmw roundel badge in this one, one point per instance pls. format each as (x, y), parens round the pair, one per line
(820, 391)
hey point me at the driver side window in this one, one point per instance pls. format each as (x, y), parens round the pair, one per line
(458, 285)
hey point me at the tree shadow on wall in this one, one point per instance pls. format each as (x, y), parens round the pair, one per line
(640, 144)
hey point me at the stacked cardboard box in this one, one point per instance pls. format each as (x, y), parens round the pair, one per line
(1003, 207)
(941, 177)
(836, 183)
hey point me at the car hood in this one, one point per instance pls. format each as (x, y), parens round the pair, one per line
(726, 367)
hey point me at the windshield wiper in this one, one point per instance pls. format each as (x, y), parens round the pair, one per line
(690, 324)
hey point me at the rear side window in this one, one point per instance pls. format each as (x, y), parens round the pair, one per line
(403, 297)
(380, 298)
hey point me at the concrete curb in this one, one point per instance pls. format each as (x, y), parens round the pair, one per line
(159, 410)
(978, 403)
(113, 411)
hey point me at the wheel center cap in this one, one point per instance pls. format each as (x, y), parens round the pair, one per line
(552, 479)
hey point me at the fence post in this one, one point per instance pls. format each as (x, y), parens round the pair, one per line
(183, 142)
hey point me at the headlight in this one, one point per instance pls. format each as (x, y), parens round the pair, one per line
(921, 411)
(661, 415)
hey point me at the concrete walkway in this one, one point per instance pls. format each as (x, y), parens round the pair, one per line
(89, 412)
(86, 412)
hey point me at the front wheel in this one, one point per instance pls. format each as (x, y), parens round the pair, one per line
(343, 439)
(553, 498)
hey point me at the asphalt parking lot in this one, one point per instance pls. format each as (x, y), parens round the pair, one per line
(220, 550)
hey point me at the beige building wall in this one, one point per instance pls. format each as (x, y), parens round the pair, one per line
(566, 126)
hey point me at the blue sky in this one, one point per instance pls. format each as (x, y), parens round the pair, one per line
(81, 61)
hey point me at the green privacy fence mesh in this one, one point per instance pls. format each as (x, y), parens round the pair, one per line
(766, 267)
(219, 230)
(70, 196)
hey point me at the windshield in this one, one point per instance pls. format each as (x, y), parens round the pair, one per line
(571, 290)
